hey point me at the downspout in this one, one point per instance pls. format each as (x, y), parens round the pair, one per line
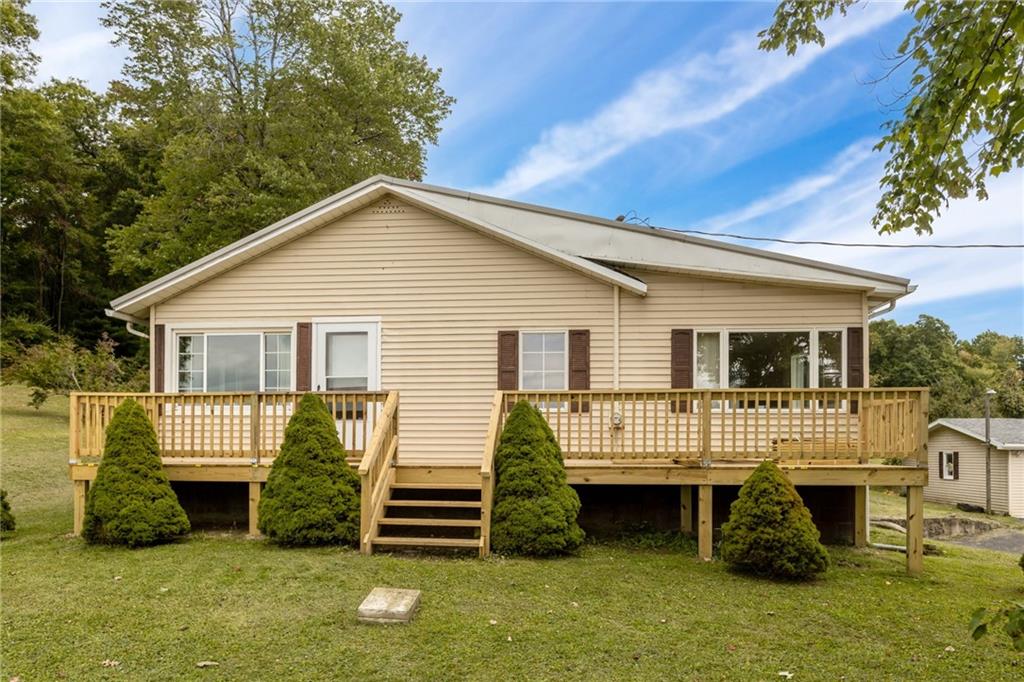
(128, 320)
(615, 337)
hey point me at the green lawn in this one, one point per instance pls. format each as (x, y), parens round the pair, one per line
(615, 612)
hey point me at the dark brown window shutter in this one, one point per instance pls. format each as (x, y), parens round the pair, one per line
(303, 356)
(855, 362)
(681, 364)
(159, 340)
(956, 466)
(855, 358)
(508, 360)
(579, 365)
(942, 472)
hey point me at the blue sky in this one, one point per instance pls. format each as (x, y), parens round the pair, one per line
(669, 110)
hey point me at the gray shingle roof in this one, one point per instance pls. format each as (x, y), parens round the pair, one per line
(1003, 432)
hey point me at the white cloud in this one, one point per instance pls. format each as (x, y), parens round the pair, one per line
(698, 90)
(838, 203)
(74, 44)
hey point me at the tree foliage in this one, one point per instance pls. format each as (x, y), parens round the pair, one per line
(260, 108)
(7, 522)
(232, 114)
(928, 353)
(963, 108)
(535, 509)
(131, 501)
(312, 494)
(770, 531)
(60, 366)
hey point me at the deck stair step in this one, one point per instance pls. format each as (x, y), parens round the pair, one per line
(464, 504)
(460, 543)
(429, 516)
(440, 523)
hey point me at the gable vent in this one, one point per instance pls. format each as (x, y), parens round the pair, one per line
(387, 206)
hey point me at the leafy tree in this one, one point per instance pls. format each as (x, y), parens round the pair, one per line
(7, 522)
(259, 108)
(534, 508)
(928, 353)
(17, 31)
(1011, 617)
(963, 109)
(770, 531)
(60, 366)
(131, 501)
(312, 494)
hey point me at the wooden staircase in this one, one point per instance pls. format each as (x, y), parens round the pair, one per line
(429, 516)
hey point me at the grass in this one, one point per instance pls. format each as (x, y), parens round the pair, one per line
(889, 504)
(618, 611)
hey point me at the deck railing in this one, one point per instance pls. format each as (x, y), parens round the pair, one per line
(240, 425)
(377, 469)
(494, 424)
(840, 424)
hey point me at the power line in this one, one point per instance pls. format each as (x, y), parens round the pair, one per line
(633, 217)
(854, 244)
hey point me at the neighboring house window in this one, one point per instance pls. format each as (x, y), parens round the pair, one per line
(949, 466)
(769, 359)
(231, 362)
(542, 361)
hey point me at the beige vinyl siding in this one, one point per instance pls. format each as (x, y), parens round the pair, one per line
(677, 301)
(441, 290)
(1016, 483)
(970, 487)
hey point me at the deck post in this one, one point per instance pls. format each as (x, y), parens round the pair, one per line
(254, 427)
(365, 514)
(860, 516)
(705, 523)
(686, 509)
(255, 491)
(80, 493)
(915, 529)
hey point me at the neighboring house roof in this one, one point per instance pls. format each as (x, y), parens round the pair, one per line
(1005, 434)
(593, 246)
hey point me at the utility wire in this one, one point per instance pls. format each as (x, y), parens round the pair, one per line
(634, 218)
(855, 244)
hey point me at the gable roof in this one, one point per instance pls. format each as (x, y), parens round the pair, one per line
(1005, 434)
(593, 246)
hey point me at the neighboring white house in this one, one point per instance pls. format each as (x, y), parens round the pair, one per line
(956, 463)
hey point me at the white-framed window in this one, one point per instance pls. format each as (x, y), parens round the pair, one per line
(949, 466)
(740, 358)
(543, 360)
(347, 356)
(233, 361)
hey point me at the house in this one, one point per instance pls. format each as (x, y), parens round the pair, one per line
(956, 463)
(668, 365)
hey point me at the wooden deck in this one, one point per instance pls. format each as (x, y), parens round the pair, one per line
(821, 437)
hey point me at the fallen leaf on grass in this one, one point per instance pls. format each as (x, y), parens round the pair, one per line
(950, 649)
(493, 622)
(207, 664)
(107, 663)
(785, 673)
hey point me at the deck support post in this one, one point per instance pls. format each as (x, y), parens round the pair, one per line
(686, 509)
(705, 523)
(80, 493)
(255, 491)
(915, 529)
(860, 516)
